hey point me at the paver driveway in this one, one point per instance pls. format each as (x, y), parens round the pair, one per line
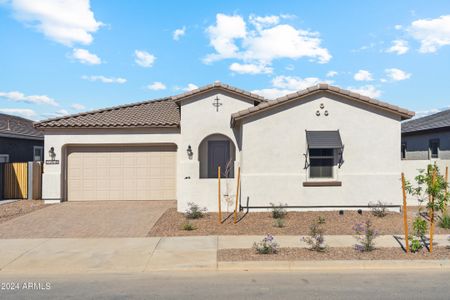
(87, 219)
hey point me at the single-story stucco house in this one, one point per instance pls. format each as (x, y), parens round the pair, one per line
(425, 141)
(320, 148)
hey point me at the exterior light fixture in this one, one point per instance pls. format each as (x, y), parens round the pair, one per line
(189, 152)
(52, 153)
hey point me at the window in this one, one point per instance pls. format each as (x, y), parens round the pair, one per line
(434, 148)
(321, 162)
(38, 153)
(4, 158)
(403, 151)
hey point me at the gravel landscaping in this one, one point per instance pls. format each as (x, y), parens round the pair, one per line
(16, 209)
(295, 223)
(290, 254)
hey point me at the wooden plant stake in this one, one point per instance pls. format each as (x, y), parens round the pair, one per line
(446, 189)
(237, 194)
(218, 196)
(432, 213)
(405, 214)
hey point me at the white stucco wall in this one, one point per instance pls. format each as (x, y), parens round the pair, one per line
(199, 119)
(272, 160)
(53, 177)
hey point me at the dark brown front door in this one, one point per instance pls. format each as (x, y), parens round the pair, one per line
(218, 155)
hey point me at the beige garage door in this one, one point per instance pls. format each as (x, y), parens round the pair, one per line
(121, 173)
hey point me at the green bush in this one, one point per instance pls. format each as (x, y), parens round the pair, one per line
(278, 211)
(188, 226)
(194, 211)
(419, 227)
(279, 223)
(445, 221)
(415, 245)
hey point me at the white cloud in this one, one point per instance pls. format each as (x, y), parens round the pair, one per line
(367, 90)
(398, 27)
(283, 85)
(223, 34)
(266, 41)
(398, 47)
(423, 113)
(78, 106)
(144, 59)
(16, 96)
(64, 21)
(363, 75)
(179, 33)
(294, 83)
(250, 68)
(431, 33)
(104, 79)
(290, 67)
(24, 112)
(56, 114)
(190, 87)
(397, 74)
(272, 93)
(331, 74)
(85, 57)
(156, 86)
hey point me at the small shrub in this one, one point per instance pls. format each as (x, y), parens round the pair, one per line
(194, 211)
(278, 211)
(268, 245)
(321, 220)
(379, 209)
(279, 223)
(445, 221)
(188, 226)
(419, 227)
(316, 239)
(365, 235)
(415, 244)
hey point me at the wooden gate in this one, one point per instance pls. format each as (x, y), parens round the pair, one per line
(15, 181)
(36, 180)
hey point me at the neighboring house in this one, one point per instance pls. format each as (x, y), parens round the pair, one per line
(319, 148)
(19, 140)
(425, 141)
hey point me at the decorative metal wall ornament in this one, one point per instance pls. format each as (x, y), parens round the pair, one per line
(326, 113)
(216, 103)
(317, 113)
(322, 106)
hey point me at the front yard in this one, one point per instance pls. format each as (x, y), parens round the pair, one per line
(172, 223)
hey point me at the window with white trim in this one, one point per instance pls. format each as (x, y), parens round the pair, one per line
(38, 153)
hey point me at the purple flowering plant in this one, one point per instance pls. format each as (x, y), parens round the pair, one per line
(267, 245)
(365, 235)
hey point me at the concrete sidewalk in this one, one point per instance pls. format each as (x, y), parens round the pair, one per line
(133, 255)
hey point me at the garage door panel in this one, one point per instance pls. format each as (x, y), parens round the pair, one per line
(121, 173)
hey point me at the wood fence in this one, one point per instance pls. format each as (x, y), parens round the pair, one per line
(20, 178)
(15, 181)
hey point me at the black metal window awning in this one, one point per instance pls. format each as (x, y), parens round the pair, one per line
(330, 139)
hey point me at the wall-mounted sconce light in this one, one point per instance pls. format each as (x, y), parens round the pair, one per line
(189, 152)
(52, 153)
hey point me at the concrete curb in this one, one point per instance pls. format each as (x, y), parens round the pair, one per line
(334, 265)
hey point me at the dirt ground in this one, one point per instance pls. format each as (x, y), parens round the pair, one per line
(15, 209)
(331, 254)
(295, 223)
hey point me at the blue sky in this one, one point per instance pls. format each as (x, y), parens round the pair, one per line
(68, 56)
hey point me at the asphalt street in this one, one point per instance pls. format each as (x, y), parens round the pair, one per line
(417, 284)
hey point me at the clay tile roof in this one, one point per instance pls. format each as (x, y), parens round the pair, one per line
(434, 121)
(404, 113)
(17, 127)
(219, 85)
(156, 113)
